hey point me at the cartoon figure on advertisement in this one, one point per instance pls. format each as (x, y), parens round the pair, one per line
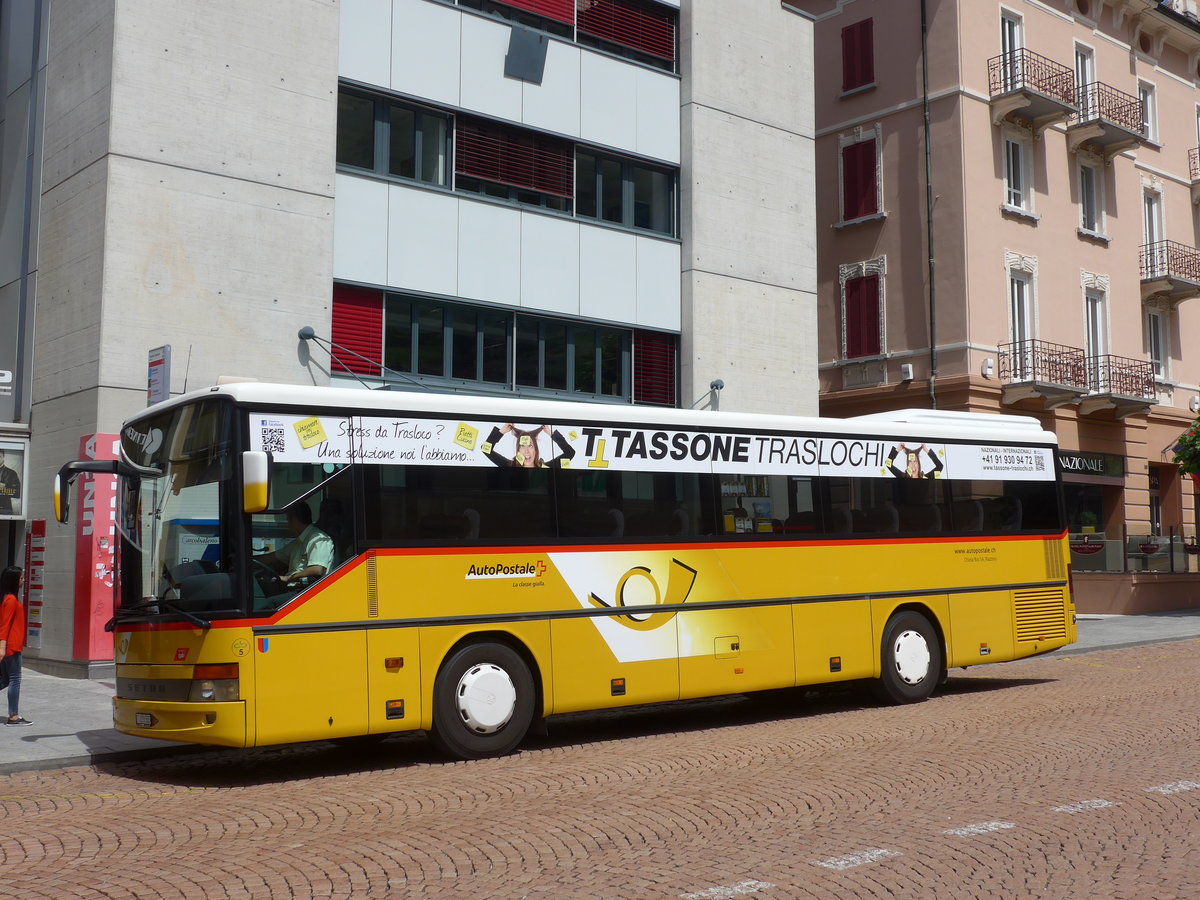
(919, 462)
(528, 452)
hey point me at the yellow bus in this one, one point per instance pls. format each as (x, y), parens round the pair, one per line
(301, 563)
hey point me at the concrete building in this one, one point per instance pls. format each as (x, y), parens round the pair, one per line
(1009, 224)
(610, 200)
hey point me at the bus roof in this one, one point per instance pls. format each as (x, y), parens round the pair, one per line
(907, 423)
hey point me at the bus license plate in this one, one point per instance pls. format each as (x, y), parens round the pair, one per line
(143, 720)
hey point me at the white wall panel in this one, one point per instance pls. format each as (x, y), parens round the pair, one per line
(364, 38)
(360, 227)
(608, 101)
(484, 87)
(490, 269)
(549, 264)
(422, 240)
(425, 50)
(658, 115)
(554, 104)
(658, 284)
(607, 274)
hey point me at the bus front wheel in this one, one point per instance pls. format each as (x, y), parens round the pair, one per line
(483, 702)
(911, 659)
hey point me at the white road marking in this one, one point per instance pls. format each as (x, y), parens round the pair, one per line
(741, 889)
(979, 828)
(1084, 806)
(1175, 787)
(861, 858)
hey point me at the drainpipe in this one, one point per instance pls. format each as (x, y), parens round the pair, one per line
(929, 209)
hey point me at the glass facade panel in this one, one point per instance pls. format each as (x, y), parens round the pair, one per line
(585, 184)
(356, 131)
(585, 360)
(612, 191)
(431, 349)
(464, 362)
(555, 349)
(397, 336)
(402, 158)
(433, 148)
(528, 360)
(653, 203)
(495, 328)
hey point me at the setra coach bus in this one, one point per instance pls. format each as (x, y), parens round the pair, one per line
(301, 563)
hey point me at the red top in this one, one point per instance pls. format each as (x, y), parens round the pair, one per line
(12, 625)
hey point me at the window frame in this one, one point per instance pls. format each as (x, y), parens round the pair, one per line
(1148, 101)
(1094, 198)
(1158, 331)
(1017, 152)
(870, 167)
(628, 190)
(381, 138)
(858, 56)
(873, 270)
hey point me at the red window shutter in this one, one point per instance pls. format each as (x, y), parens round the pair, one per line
(508, 156)
(859, 188)
(357, 327)
(562, 10)
(654, 368)
(643, 27)
(858, 54)
(862, 317)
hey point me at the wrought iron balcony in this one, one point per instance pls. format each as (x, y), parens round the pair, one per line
(1170, 271)
(1054, 372)
(1108, 119)
(1024, 83)
(1119, 383)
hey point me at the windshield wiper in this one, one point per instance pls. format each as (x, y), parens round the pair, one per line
(126, 612)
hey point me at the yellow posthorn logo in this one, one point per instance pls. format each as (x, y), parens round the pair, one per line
(635, 588)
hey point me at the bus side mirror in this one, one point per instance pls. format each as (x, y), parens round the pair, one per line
(256, 484)
(62, 501)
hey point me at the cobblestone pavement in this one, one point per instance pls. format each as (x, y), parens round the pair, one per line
(1056, 777)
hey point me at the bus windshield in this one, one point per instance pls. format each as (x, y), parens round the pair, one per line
(175, 549)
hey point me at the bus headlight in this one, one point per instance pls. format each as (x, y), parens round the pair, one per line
(214, 684)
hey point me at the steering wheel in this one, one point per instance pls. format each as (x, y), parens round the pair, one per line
(266, 579)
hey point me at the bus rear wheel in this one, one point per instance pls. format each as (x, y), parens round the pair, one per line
(910, 659)
(483, 702)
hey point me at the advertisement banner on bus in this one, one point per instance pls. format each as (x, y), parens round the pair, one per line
(416, 441)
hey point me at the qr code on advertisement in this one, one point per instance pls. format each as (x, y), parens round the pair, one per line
(1039, 463)
(272, 440)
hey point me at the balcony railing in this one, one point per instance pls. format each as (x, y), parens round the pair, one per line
(1021, 70)
(1169, 259)
(1108, 374)
(1043, 361)
(1100, 101)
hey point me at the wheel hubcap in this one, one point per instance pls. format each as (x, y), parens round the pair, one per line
(911, 652)
(486, 698)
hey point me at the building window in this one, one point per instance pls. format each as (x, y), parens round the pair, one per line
(1095, 337)
(1085, 89)
(1018, 193)
(624, 192)
(858, 55)
(384, 137)
(1021, 324)
(1149, 110)
(863, 323)
(630, 28)
(1156, 342)
(1011, 41)
(447, 345)
(1152, 231)
(512, 164)
(641, 30)
(388, 137)
(860, 178)
(1091, 202)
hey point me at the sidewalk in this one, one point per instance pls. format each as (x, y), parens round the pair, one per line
(72, 717)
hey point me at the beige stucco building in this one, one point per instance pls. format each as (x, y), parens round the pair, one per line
(1009, 224)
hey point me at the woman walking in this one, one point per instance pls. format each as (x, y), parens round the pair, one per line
(12, 641)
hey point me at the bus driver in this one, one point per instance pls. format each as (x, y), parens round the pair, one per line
(309, 554)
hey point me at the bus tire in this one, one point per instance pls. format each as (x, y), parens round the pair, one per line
(910, 659)
(483, 702)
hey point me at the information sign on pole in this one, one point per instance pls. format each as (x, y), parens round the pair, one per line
(158, 379)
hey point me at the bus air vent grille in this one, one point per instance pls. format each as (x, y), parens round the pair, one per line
(372, 588)
(1041, 615)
